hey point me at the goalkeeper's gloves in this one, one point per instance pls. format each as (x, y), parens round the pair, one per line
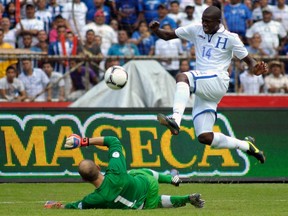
(53, 204)
(75, 141)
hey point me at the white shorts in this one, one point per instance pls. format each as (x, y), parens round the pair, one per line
(209, 88)
(204, 123)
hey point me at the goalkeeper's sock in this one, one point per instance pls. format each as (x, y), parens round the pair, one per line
(161, 178)
(222, 141)
(181, 98)
(173, 201)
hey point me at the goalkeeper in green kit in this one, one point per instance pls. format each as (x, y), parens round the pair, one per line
(117, 189)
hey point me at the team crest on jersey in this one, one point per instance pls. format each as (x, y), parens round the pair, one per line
(115, 155)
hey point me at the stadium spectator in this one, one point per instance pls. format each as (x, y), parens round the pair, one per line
(42, 44)
(143, 39)
(270, 32)
(91, 47)
(254, 47)
(175, 12)
(43, 14)
(184, 65)
(188, 19)
(280, 13)
(10, 14)
(111, 62)
(163, 17)
(56, 82)
(198, 11)
(117, 189)
(129, 15)
(170, 50)
(58, 21)
(70, 35)
(99, 5)
(27, 42)
(62, 47)
(276, 81)
(9, 34)
(114, 25)
(259, 5)
(75, 16)
(102, 29)
(79, 83)
(210, 81)
(250, 84)
(151, 10)
(238, 18)
(29, 25)
(249, 5)
(54, 8)
(123, 47)
(11, 88)
(35, 82)
(5, 63)
(98, 40)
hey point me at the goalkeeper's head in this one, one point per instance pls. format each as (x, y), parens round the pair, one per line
(88, 170)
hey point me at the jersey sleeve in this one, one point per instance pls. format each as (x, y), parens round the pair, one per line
(117, 162)
(90, 201)
(239, 50)
(187, 32)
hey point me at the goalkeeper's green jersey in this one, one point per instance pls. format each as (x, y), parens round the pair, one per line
(119, 190)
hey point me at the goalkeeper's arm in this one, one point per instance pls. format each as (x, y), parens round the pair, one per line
(75, 141)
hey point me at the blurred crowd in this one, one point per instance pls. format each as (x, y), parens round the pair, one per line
(114, 28)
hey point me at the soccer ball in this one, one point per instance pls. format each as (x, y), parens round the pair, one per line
(116, 77)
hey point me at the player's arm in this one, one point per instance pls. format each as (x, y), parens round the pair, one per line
(161, 33)
(75, 141)
(257, 68)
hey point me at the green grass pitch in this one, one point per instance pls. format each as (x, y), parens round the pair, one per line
(221, 200)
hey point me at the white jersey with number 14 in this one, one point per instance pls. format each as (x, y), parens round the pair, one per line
(213, 51)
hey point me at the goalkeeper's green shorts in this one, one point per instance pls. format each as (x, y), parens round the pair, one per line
(152, 199)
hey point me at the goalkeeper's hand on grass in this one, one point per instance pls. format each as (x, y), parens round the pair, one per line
(75, 141)
(53, 205)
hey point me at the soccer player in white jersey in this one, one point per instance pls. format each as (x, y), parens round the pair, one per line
(214, 47)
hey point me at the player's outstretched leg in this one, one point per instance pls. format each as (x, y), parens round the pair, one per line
(247, 145)
(169, 122)
(253, 150)
(167, 201)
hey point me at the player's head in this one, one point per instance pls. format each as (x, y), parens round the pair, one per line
(88, 170)
(211, 19)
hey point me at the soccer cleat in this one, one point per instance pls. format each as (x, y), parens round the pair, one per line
(253, 150)
(176, 180)
(169, 123)
(195, 200)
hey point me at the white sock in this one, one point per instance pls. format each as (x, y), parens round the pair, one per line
(222, 141)
(181, 98)
(166, 202)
